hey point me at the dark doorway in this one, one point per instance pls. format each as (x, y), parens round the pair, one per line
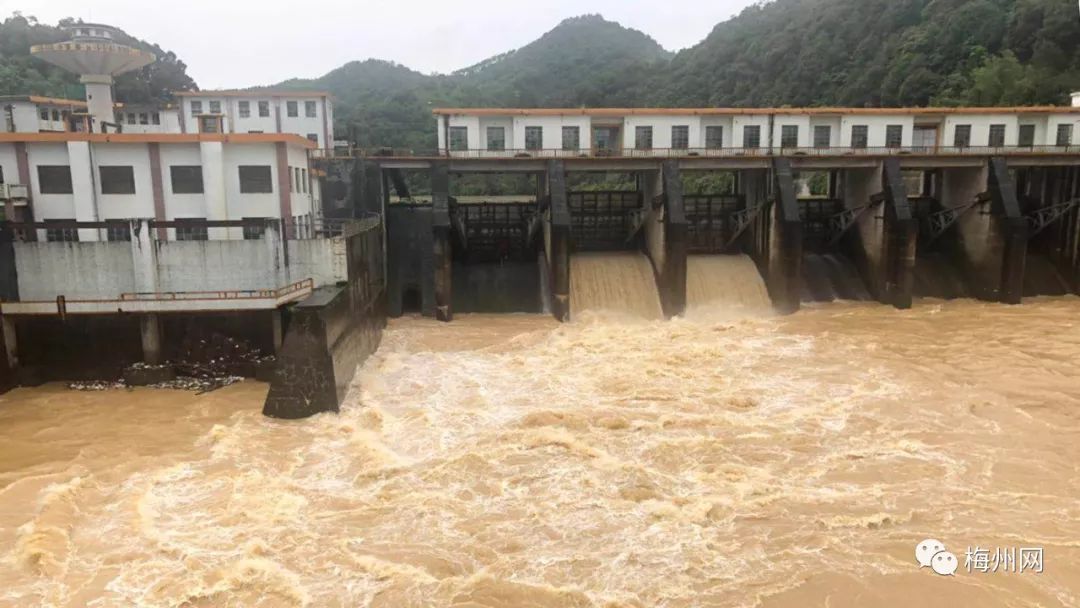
(410, 300)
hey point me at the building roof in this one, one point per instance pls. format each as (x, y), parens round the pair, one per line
(744, 111)
(159, 138)
(253, 93)
(56, 101)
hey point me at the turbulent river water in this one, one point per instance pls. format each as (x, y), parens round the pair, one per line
(508, 461)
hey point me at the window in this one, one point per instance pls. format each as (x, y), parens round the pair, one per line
(314, 137)
(186, 179)
(789, 136)
(822, 136)
(196, 108)
(303, 181)
(1, 175)
(534, 138)
(643, 138)
(680, 137)
(997, 136)
(54, 179)
(244, 108)
(860, 136)
(155, 118)
(459, 138)
(44, 114)
(924, 137)
(1064, 135)
(209, 124)
(118, 232)
(264, 109)
(309, 109)
(56, 114)
(962, 136)
(193, 229)
(751, 137)
(255, 179)
(58, 234)
(295, 179)
(894, 136)
(117, 180)
(144, 118)
(292, 109)
(215, 107)
(1027, 135)
(496, 138)
(714, 137)
(131, 118)
(255, 231)
(571, 138)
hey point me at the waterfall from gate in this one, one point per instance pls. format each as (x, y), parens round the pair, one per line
(614, 282)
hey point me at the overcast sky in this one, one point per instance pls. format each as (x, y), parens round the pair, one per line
(239, 43)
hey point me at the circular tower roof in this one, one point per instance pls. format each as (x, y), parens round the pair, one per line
(93, 52)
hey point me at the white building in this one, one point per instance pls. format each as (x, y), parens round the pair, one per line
(307, 114)
(95, 177)
(728, 131)
(37, 114)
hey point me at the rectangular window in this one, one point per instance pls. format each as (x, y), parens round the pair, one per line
(131, 118)
(244, 108)
(144, 118)
(309, 109)
(56, 115)
(962, 136)
(313, 137)
(255, 231)
(292, 109)
(1, 175)
(44, 113)
(860, 136)
(296, 179)
(193, 229)
(789, 136)
(209, 124)
(60, 235)
(496, 138)
(894, 136)
(997, 136)
(822, 136)
(196, 108)
(571, 138)
(680, 137)
(534, 138)
(459, 138)
(1027, 135)
(303, 181)
(118, 232)
(751, 137)
(54, 179)
(643, 138)
(714, 137)
(256, 179)
(1064, 135)
(215, 107)
(117, 180)
(155, 118)
(186, 179)
(264, 109)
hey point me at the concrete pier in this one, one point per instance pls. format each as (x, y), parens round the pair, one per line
(442, 252)
(150, 332)
(557, 241)
(666, 235)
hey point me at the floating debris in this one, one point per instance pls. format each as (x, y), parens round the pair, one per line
(96, 385)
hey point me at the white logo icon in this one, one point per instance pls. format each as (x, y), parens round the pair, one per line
(945, 563)
(924, 551)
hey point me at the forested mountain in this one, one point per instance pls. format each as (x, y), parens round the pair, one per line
(783, 52)
(22, 74)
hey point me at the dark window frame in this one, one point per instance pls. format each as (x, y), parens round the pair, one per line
(962, 136)
(215, 107)
(643, 137)
(860, 137)
(500, 142)
(264, 109)
(186, 182)
(575, 142)
(1064, 136)
(192, 229)
(49, 184)
(118, 233)
(243, 108)
(680, 137)
(254, 232)
(255, 179)
(117, 179)
(894, 136)
(292, 109)
(789, 136)
(996, 138)
(60, 235)
(714, 137)
(311, 109)
(1026, 137)
(751, 137)
(459, 138)
(820, 130)
(196, 108)
(534, 138)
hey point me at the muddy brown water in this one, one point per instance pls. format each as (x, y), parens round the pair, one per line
(508, 461)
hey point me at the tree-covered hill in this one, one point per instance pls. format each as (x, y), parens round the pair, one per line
(22, 74)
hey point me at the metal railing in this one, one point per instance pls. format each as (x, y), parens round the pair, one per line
(747, 152)
(242, 294)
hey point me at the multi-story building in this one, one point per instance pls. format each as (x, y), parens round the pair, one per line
(307, 114)
(731, 132)
(167, 177)
(37, 114)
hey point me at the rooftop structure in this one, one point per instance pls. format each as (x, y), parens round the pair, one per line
(94, 54)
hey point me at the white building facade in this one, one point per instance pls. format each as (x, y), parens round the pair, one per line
(724, 131)
(307, 114)
(165, 177)
(37, 114)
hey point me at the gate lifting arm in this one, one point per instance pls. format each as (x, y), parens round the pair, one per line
(535, 220)
(840, 223)
(742, 219)
(939, 222)
(639, 217)
(457, 222)
(1040, 219)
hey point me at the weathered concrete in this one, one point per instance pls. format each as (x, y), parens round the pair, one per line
(442, 251)
(901, 236)
(1011, 230)
(497, 287)
(785, 241)
(150, 332)
(666, 235)
(557, 241)
(411, 263)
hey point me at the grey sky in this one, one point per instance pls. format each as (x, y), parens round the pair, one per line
(232, 43)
